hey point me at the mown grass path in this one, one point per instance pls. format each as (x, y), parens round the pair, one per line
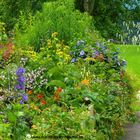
(132, 55)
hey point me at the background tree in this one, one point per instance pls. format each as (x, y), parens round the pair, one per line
(108, 15)
(10, 10)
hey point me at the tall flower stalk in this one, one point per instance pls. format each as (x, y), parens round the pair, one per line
(20, 86)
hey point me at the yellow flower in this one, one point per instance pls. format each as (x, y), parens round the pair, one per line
(49, 43)
(34, 126)
(54, 34)
(59, 53)
(85, 82)
(90, 59)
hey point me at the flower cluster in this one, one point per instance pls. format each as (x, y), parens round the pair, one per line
(24, 99)
(20, 79)
(36, 78)
(7, 53)
(56, 94)
(99, 52)
(78, 51)
(20, 86)
(23, 60)
(40, 97)
(85, 82)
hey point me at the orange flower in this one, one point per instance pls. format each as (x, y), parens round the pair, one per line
(59, 90)
(85, 82)
(43, 102)
(30, 92)
(56, 97)
(56, 93)
(39, 96)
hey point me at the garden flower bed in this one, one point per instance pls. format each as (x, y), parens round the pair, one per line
(62, 81)
(79, 91)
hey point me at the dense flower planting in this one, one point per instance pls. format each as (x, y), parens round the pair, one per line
(59, 80)
(79, 91)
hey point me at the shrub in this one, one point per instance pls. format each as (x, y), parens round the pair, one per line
(64, 19)
(11, 10)
(130, 33)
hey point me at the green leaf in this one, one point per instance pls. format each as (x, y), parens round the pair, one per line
(11, 117)
(53, 71)
(57, 83)
(16, 106)
(20, 113)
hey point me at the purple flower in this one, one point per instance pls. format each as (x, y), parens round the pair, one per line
(24, 97)
(19, 86)
(82, 53)
(73, 60)
(80, 42)
(95, 54)
(124, 63)
(21, 79)
(20, 71)
(21, 102)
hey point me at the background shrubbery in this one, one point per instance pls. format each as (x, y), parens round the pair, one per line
(69, 23)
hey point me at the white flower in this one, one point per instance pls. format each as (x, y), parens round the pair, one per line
(28, 136)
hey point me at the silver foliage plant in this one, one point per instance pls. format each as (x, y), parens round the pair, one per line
(130, 33)
(36, 78)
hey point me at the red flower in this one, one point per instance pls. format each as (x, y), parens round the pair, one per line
(59, 90)
(39, 96)
(56, 94)
(43, 102)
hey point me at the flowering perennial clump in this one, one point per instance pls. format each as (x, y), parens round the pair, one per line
(24, 99)
(20, 86)
(20, 79)
(98, 52)
(56, 94)
(35, 78)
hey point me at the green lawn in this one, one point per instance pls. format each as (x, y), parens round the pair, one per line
(131, 54)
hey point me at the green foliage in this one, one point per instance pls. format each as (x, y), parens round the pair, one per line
(13, 123)
(64, 19)
(108, 15)
(88, 98)
(130, 33)
(10, 10)
(131, 53)
(3, 36)
(76, 85)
